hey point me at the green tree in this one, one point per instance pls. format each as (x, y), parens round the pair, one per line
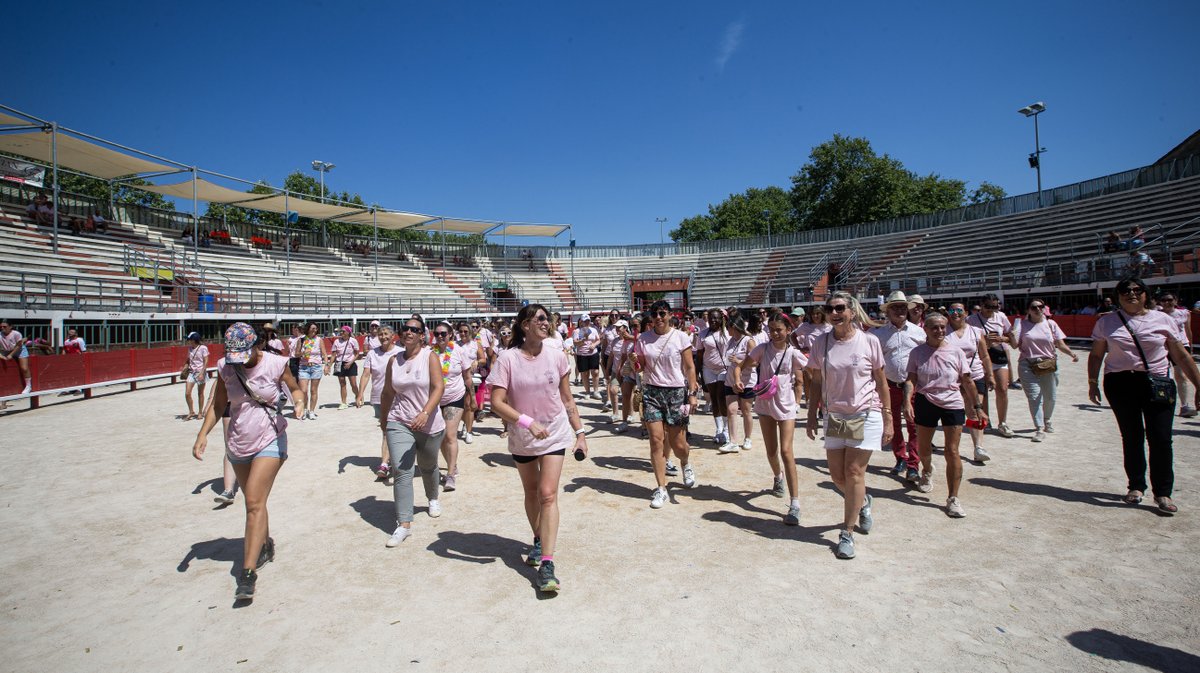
(985, 193)
(845, 182)
(740, 215)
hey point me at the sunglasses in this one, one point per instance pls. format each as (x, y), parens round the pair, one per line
(1038, 307)
(661, 314)
(506, 334)
(541, 318)
(441, 334)
(836, 309)
(415, 329)
(954, 311)
(1131, 290)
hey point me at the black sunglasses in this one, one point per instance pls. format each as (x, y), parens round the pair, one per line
(415, 329)
(836, 309)
(441, 333)
(1131, 290)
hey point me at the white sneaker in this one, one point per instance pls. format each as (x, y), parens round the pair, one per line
(926, 483)
(981, 456)
(954, 508)
(689, 477)
(468, 438)
(1004, 430)
(399, 536)
(1049, 428)
(659, 498)
(1039, 436)
(612, 418)
(27, 389)
(746, 444)
(343, 405)
(435, 508)
(728, 448)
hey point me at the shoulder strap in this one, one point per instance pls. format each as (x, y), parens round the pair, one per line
(1121, 315)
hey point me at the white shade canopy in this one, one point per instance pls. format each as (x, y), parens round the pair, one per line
(73, 153)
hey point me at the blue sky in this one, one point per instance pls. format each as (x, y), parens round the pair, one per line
(608, 115)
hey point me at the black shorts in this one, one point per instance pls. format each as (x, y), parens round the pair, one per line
(530, 459)
(225, 414)
(587, 363)
(981, 390)
(345, 371)
(929, 414)
(458, 404)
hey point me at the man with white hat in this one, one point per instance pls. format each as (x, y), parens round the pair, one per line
(899, 337)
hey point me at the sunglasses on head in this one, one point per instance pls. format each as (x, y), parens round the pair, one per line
(415, 329)
(836, 309)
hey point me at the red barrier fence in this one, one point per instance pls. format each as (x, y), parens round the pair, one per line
(52, 373)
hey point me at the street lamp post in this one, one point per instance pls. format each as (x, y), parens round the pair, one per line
(1035, 157)
(661, 240)
(322, 167)
(767, 217)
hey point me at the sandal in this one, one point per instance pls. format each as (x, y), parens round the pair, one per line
(1133, 498)
(1165, 505)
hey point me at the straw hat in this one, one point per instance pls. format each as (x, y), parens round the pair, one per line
(898, 297)
(916, 300)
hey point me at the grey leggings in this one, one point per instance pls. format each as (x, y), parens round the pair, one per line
(407, 447)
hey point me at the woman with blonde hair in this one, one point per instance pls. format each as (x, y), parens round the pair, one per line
(847, 373)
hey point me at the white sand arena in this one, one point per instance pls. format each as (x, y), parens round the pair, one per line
(116, 559)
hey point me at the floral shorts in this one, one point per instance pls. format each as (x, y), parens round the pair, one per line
(662, 405)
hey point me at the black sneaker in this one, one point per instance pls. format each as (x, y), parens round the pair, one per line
(245, 586)
(912, 476)
(535, 555)
(546, 580)
(267, 554)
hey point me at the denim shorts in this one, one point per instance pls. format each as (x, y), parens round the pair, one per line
(276, 449)
(196, 377)
(311, 372)
(24, 352)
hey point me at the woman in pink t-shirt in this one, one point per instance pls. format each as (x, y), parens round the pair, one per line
(1168, 304)
(14, 346)
(412, 389)
(621, 372)
(664, 356)
(777, 413)
(314, 363)
(973, 343)
(1134, 343)
(344, 361)
(374, 366)
(455, 361)
(940, 375)
(532, 393)
(741, 342)
(195, 373)
(714, 347)
(248, 381)
(847, 374)
(1037, 337)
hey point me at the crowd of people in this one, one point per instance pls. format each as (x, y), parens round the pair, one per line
(859, 385)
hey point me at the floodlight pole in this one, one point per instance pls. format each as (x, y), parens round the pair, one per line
(54, 167)
(571, 253)
(287, 229)
(1035, 158)
(195, 222)
(661, 240)
(375, 223)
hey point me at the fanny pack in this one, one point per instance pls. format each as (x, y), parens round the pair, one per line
(1043, 365)
(1162, 388)
(766, 388)
(851, 428)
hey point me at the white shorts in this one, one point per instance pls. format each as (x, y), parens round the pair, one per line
(712, 376)
(872, 433)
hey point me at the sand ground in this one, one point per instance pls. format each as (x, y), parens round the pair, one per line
(116, 559)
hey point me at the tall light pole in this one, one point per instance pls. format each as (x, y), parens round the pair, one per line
(767, 217)
(322, 168)
(661, 240)
(1035, 157)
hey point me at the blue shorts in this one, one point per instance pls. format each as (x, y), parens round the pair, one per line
(276, 449)
(24, 352)
(311, 372)
(196, 377)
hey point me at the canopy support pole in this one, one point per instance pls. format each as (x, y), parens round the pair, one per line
(504, 249)
(375, 223)
(287, 234)
(442, 221)
(571, 253)
(112, 209)
(195, 221)
(54, 168)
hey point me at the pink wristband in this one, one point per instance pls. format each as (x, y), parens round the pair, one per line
(524, 421)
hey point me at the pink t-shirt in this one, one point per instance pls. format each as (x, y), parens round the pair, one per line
(790, 361)
(533, 385)
(1036, 339)
(739, 348)
(197, 359)
(410, 381)
(554, 340)
(1152, 330)
(968, 343)
(454, 362)
(345, 351)
(716, 345)
(277, 345)
(997, 324)
(585, 339)
(251, 426)
(806, 332)
(939, 373)
(376, 363)
(470, 352)
(1181, 316)
(9, 341)
(621, 348)
(608, 338)
(310, 351)
(662, 357)
(849, 380)
(371, 343)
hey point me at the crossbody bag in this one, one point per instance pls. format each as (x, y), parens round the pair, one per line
(1162, 388)
(853, 428)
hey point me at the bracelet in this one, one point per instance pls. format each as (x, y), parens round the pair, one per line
(524, 421)
(1094, 381)
(581, 431)
(887, 411)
